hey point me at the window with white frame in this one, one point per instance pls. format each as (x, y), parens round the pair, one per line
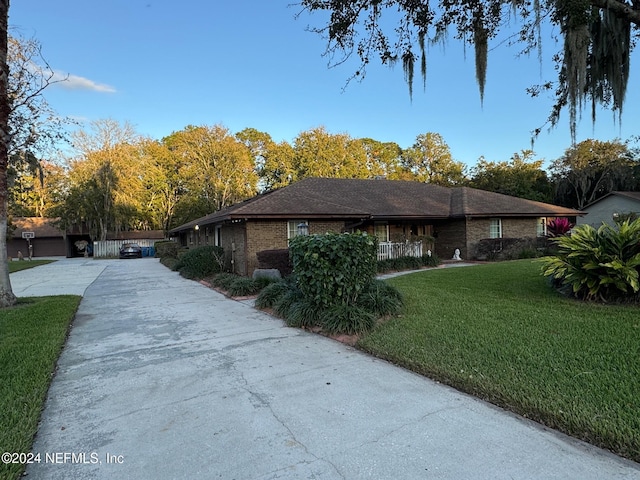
(541, 231)
(495, 228)
(381, 230)
(292, 227)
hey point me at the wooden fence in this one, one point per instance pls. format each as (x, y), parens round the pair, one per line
(111, 248)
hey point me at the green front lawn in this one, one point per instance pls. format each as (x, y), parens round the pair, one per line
(32, 334)
(16, 266)
(498, 331)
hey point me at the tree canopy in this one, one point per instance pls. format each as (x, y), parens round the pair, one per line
(591, 169)
(593, 63)
(521, 176)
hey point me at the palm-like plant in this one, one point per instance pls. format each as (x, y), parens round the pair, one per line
(598, 264)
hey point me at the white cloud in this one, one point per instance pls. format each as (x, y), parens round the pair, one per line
(75, 82)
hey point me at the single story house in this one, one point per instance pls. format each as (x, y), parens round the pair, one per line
(611, 207)
(395, 211)
(42, 234)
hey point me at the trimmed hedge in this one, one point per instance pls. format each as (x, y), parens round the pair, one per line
(407, 263)
(511, 248)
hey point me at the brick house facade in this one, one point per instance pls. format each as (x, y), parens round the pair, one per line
(452, 218)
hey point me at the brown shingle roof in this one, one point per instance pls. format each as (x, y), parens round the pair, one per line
(383, 199)
(42, 227)
(480, 203)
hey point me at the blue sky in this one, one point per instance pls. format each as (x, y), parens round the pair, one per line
(251, 63)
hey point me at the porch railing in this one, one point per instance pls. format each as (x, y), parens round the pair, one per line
(389, 250)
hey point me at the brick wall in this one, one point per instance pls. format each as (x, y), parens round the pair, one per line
(451, 235)
(320, 227)
(478, 229)
(272, 235)
(519, 227)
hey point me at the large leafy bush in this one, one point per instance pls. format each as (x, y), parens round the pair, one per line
(201, 262)
(333, 286)
(598, 264)
(334, 269)
(166, 248)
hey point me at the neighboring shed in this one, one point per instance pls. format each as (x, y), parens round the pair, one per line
(45, 238)
(612, 206)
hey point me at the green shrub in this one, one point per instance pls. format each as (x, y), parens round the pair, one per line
(271, 294)
(263, 282)
(169, 262)
(303, 313)
(407, 263)
(527, 253)
(430, 260)
(378, 299)
(223, 280)
(166, 248)
(237, 286)
(333, 269)
(349, 319)
(602, 264)
(381, 299)
(200, 262)
(290, 296)
(243, 286)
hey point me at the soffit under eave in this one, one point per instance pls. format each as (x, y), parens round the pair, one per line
(575, 213)
(300, 216)
(408, 218)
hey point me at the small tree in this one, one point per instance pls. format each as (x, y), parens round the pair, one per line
(28, 126)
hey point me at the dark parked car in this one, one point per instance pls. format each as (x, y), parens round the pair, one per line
(130, 250)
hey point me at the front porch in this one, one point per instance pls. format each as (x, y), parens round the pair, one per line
(391, 250)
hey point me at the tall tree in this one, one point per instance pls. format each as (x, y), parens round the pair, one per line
(218, 168)
(520, 177)
(163, 182)
(591, 169)
(593, 64)
(318, 153)
(33, 187)
(383, 158)
(278, 168)
(7, 298)
(429, 160)
(273, 161)
(106, 180)
(28, 126)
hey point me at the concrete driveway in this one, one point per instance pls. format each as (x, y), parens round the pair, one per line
(163, 378)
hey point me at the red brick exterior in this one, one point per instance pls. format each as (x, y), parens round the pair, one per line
(254, 236)
(243, 240)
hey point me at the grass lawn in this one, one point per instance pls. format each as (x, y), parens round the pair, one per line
(23, 265)
(498, 331)
(32, 334)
